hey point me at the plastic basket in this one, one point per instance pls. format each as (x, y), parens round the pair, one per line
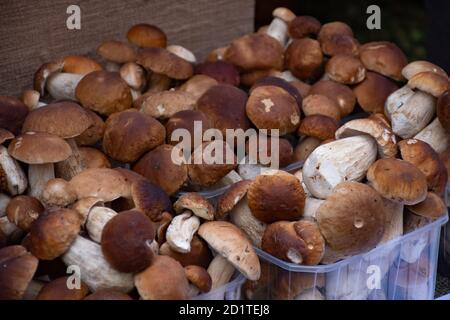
(230, 291)
(402, 269)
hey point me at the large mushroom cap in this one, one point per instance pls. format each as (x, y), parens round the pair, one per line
(12, 113)
(271, 107)
(104, 92)
(147, 35)
(17, 268)
(398, 180)
(304, 58)
(255, 51)
(318, 126)
(161, 61)
(275, 197)
(346, 227)
(130, 133)
(39, 148)
(282, 83)
(65, 119)
(224, 106)
(346, 69)
(116, 51)
(186, 120)
(330, 29)
(103, 183)
(164, 104)
(150, 199)
(432, 207)
(230, 242)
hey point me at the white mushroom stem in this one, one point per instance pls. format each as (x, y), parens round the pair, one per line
(95, 271)
(38, 175)
(242, 217)
(278, 29)
(220, 271)
(62, 85)
(181, 231)
(311, 206)
(394, 220)
(182, 52)
(73, 165)
(435, 135)
(97, 219)
(16, 181)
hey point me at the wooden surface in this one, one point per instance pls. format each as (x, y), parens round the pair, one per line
(33, 32)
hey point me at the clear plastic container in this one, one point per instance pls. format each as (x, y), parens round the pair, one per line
(402, 269)
(444, 249)
(446, 297)
(230, 291)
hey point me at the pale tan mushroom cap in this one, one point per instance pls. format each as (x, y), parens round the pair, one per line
(430, 82)
(196, 203)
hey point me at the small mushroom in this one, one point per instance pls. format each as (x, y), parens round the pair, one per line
(93, 158)
(322, 105)
(345, 69)
(195, 203)
(304, 58)
(181, 231)
(116, 53)
(303, 27)
(199, 277)
(318, 126)
(432, 207)
(278, 27)
(199, 254)
(58, 192)
(146, 35)
(23, 211)
(341, 94)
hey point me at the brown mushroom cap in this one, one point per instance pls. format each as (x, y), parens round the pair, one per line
(161, 61)
(373, 91)
(423, 156)
(249, 78)
(23, 211)
(279, 82)
(271, 107)
(58, 290)
(262, 148)
(147, 35)
(221, 71)
(415, 67)
(298, 241)
(342, 94)
(199, 255)
(430, 82)
(116, 51)
(321, 104)
(443, 110)
(94, 133)
(126, 241)
(203, 171)
(80, 65)
(304, 26)
(103, 183)
(39, 148)
(104, 92)
(229, 199)
(186, 120)
(159, 168)
(107, 294)
(12, 113)
(255, 51)
(303, 57)
(58, 192)
(5, 135)
(340, 44)
(164, 279)
(383, 57)
(198, 85)
(17, 268)
(150, 199)
(432, 207)
(398, 180)
(318, 126)
(345, 69)
(345, 227)
(224, 106)
(275, 197)
(130, 133)
(333, 28)
(231, 243)
(304, 148)
(65, 119)
(53, 233)
(199, 277)
(164, 104)
(93, 158)
(196, 203)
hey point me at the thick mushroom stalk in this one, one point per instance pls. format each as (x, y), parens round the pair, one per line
(62, 85)
(181, 231)
(220, 271)
(38, 175)
(278, 28)
(73, 165)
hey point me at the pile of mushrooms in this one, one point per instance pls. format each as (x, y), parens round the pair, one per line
(90, 191)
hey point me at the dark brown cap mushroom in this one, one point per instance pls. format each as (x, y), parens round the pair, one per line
(126, 241)
(23, 211)
(104, 92)
(345, 69)
(275, 197)
(229, 199)
(321, 104)
(298, 242)
(12, 113)
(199, 277)
(93, 158)
(340, 44)
(398, 180)
(249, 78)
(271, 107)
(147, 35)
(53, 233)
(346, 228)
(221, 71)
(224, 106)
(17, 268)
(159, 168)
(58, 290)
(163, 62)
(196, 203)
(304, 26)
(129, 134)
(150, 199)
(304, 58)
(279, 82)
(318, 126)
(255, 52)
(341, 94)
(383, 57)
(199, 255)
(186, 120)
(334, 28)
(443, 110)
(116, 51)
(260, 152)
(373, 91)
